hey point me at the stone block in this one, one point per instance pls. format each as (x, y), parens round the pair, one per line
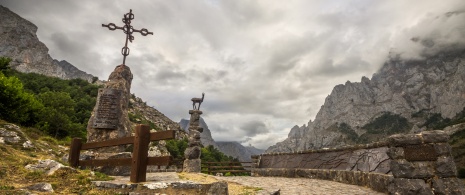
(396, 153)
(306, 173)
(442, 149)
(435, 136)
(404, 140)
(445, 167)
(192, 153)
(194, 134)
(442, 186)
(412, 170)
(281, 172)
(378, 182)
(218, 188)
(409, 186)
(41, 187)
(192, 166)
(193, 142)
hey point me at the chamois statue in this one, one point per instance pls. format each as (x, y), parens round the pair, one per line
(197, 100)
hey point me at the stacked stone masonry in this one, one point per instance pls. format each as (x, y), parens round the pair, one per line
(192, 153)
(405, 164)
(422, 164)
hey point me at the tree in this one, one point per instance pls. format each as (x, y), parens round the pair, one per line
(4, 62)
(16, 105)
(56, 117)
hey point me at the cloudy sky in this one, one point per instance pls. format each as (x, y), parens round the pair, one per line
(265, 66)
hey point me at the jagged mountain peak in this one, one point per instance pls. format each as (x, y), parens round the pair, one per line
(398, 91)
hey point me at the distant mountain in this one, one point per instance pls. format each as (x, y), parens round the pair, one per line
(234, 149)
(205, 137)
(403, 96)
(18, 41)
(237, 150)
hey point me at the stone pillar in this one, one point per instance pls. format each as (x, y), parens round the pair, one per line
(192, 153)
(109, 119)
(422, 164)
(255, 164)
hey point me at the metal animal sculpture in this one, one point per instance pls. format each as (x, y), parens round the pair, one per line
(197, 100)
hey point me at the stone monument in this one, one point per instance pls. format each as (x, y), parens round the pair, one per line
(192, 153)
(109, 118)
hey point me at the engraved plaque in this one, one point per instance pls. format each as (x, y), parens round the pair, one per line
(108, 109)
(420, 153)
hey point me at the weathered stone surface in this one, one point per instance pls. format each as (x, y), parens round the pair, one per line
(445, 167)
(409, 187)
(10, 137)
(218, 188)
(404, 169)
(443, 149)
(192, 165)
(194, 143)
(48, 166)
(120, 79)
(28, 144)
(396, 153)
(443, 186)
(41, 187)
(404, 140)
(192, 153)
(435, 136)
(369, 160)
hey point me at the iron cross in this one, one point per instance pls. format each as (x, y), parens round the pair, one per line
(128, 30)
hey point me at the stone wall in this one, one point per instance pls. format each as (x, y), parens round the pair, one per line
(422, 164)
(405, 164)
(367, 158)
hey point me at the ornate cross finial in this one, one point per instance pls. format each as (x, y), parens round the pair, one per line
(128, 30)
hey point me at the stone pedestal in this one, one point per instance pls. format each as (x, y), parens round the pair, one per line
(422, 164)
(109, 119)
(192, 153)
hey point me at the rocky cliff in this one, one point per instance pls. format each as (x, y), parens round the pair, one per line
(18, 41)
(403, 96)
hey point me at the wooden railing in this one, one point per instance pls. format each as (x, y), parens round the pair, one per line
(225, 167)
(139, 160)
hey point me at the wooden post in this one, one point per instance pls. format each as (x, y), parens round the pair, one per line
(139, 154)
(74, 152)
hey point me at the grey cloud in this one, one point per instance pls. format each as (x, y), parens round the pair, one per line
(252, 128)
(276, 60)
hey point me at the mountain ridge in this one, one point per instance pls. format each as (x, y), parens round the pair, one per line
(18, 41)
(406, 91)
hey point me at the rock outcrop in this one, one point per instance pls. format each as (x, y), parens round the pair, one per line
(141, 111)
(408, 91)
(18, 41)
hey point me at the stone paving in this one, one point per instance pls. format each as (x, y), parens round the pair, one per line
(299, 186)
